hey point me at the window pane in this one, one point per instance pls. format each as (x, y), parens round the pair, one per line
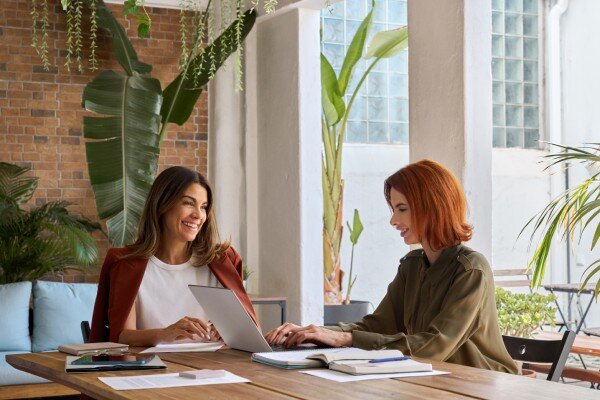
(513, 24)
(398, 133)
(499, 137)
(514, 137)
(378, 132)
(531, 117)
(498, 93)
(355, 9)
(532, 138)
(514, 116)
(530, 94)
(498, 46)
(514, 70)
(530, 27)
(530, 71)
(514, 5)
(498, 69)
(333, 31)
(513, 46)
(398, 85)
(530, 48)
(499, 115)
(399, 110)
(497, 22)
(530, 6)
(514, 93)
(356, 132)
(377, 109)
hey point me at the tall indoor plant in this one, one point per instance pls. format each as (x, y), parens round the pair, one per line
(334, 120)
(124, 140)
(571, 213)
(37, 241)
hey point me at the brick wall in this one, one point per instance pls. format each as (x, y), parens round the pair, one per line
(41, 114)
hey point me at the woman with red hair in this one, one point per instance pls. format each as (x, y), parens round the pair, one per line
(441, 305)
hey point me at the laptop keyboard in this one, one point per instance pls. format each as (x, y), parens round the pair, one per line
(280, 347)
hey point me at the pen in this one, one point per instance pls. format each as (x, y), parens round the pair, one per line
(382, 360)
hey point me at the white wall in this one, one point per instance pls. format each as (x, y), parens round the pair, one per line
(380, 247)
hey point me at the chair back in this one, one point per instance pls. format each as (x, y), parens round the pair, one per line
(554, 352)
(506, 278)
(85, 331)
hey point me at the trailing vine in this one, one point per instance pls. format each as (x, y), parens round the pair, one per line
(197, 28)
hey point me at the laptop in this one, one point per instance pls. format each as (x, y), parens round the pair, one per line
(231, 319)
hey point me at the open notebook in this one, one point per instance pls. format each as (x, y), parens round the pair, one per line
(350, 360)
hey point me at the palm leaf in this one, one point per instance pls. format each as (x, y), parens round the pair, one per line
(122, 151)
(181, 94)
(569, 214)
(13, 186)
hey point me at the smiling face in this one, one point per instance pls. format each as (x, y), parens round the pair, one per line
(183, 221)
(401, 217)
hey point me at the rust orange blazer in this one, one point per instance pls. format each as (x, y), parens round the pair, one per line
(120, 281)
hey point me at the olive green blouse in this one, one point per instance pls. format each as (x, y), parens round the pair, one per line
(445, 311)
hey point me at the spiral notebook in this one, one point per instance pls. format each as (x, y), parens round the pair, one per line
(296, 359)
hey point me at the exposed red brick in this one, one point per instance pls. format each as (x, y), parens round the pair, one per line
(41, 115)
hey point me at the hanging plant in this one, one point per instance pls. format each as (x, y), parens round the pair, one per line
(196, 31)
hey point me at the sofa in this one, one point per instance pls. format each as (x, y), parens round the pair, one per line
(40, 316)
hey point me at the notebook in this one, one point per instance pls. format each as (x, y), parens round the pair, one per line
(80, 349)
(364, 367)
(295, 359)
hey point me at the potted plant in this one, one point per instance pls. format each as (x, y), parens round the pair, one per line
(246, 272)
(335, 115)
(570, 213)
(520, 314)
(349, 310)
(42, 240)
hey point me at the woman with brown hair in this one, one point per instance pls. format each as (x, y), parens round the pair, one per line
(143, 296)
(441, 305)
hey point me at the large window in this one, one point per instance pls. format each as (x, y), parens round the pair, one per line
(516, 73)
(380, 112)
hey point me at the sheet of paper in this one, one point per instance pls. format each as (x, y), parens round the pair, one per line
(184, 347)
(342, 377)
(166, 380)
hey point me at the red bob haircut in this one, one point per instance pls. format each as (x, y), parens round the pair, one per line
(437, 202)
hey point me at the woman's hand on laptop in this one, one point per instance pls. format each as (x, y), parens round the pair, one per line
(186, 328)
(293, 335)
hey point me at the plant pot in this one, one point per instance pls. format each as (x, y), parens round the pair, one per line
(352, 312)
(528, 373)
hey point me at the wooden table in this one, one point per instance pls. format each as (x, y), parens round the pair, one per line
(273, 383)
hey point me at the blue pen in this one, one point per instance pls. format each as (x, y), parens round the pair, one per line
(382, 360)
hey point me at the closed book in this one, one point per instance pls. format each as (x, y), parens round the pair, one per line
(361, 367)
(80, 349)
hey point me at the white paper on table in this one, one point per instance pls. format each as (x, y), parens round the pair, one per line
(166, 380)
(342, 377)
(184, 347)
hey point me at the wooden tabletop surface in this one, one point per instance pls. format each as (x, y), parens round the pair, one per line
(273, 383)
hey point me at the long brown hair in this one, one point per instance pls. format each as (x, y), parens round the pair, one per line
(167, 189)
(437, 202)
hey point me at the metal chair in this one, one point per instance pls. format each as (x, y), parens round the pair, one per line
(554, 352)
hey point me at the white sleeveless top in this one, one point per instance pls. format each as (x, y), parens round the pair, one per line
(164, 296)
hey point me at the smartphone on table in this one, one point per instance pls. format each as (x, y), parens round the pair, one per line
(121, 359)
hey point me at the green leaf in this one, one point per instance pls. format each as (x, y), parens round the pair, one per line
(124, 51)
(65, 4)
(331, 97)
(123, 162)
(387, 44)
(357, 228)
(355, 51)
(130, 7)
(143, 29)
(181, 94)
(14, 187)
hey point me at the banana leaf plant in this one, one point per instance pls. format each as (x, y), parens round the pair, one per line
(384, 44)
(123, 141)
(570, 214)
(38, 241)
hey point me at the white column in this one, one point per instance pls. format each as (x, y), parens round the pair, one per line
(285, 105)
(451, 99)
(226, 154)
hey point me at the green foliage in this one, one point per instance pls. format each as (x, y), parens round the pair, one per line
(519, 314)
(131, 117)
(355, 232)
(570, 213)
(41, 241)
(333, 129)
(246, 272)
